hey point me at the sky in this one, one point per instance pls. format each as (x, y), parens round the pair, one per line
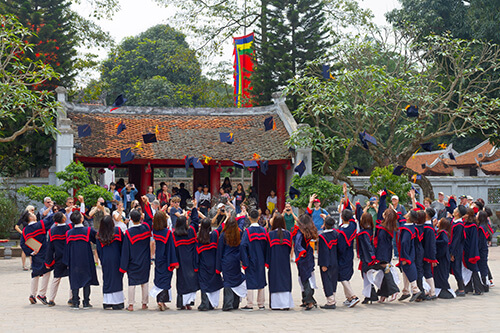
(136, 16)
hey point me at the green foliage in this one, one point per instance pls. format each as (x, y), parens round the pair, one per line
(75, 176)
(93, 192)
(8, 214)
(311, 184)
(38, 193)
(383, 178)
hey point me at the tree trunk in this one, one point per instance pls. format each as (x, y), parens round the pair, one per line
(427, 188)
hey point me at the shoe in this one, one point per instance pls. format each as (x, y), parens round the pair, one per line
(432, 298)
(491, 284)
(120, 306)
(246, 308)
(145, 307)
(460, 293)
(162, 306)
(70, 302)
(415, 296)
(477, 293)
(42, 299)
(303, 305)
(25, 268)
(188, 307)
(353, 302)
(347, 302)
(107, 306)
(366, 301)
(262, 308)
(51, 303)
(310, 307)
(130, 308)
(74, 306)
(32, 299)
(403, 297)
(87, 306)
(328, 306)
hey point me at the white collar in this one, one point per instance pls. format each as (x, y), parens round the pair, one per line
(32, 222)
(408, 223)
(80, 225)
(345, 225)
(459, 220)
(61, 225)
(327, 230)
(428, 222)
(256, 224)
(135, 225)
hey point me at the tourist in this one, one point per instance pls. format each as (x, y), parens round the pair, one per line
(165, 260)
(78, 257)
(55, 253)
(136, 258)
(46, 210)
(204, 200)
(160, 189)
(184, 194)
(289, 216)
(109, 248)
(150, 195)
(271, 201)
(303, 234)
(210, 281)
(439, 205)
(277, 260)
(118, 221)
(252, 198)
(317, 213)
(239, 197)
(71, 207)
(199, 190)
(174, 211)
(328, 263)
(226, 185)
(116, 196)
(372, 207)
(128, 194)
(228, 264)
(253, 248)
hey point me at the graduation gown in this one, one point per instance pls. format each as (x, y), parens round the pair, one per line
(442, 270)
(55, 250)
(304, 255)
(210, 281)
(345, 250)
(366, 252)
(165, 258)
(79, 258)
(109, 255)
(406, 249)
(429, 243)
(382, 206)
(254, 243)
(228, 262)
(185, 249)
(278, 262)
(483, 236)
(457, 239)
(382, 242)
(419, 250)
(136, 254)
(37, 230)
(471, 248)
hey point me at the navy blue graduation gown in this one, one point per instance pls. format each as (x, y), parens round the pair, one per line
(471, 247)
(55, 250)
(38, 231)
(442, 270)
(109, 255)
(253, 249)
(165, 258)
(483, 235)
(406, 249)
(327, 250)
(304, 255)
(457, 242)
(136, 254)
(382, 206)
(229, 263)
(346, 250)
(79, 258)
(419, 250)
(185, 250)
(210, 281)
(366, 252)
(278, 262)
(382, 243)
(429, 243)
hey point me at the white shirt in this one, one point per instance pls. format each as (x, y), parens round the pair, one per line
(121, 225)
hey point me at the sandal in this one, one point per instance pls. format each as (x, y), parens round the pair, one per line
(130, 308)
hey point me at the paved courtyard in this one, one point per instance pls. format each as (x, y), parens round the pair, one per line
(472, 313)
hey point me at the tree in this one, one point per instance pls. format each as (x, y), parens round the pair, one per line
(382, 178)
(29, 109)
(311, 184)
(374, 84)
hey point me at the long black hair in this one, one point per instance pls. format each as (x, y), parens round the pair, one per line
(204, 232)
(181, 227)
(280, 225)
(106, 230)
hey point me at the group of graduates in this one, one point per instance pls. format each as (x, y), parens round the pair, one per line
(234, 255)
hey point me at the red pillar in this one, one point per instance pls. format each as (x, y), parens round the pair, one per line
(146, 179)
(280, 187)
(214, 180)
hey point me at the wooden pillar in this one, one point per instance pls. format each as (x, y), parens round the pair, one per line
(214, 180)
(146, 179)
(280, 186)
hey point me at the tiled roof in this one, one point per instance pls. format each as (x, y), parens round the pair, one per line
(192, 132)
(472, 156)
(491, 168)
(433, 160)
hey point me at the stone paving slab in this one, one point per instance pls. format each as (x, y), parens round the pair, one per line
(472, 313)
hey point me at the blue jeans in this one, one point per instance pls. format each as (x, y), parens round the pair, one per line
(395, 247)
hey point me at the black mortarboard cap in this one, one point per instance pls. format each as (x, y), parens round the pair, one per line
(423, 165)
(84, 130)
(416, 191)
(119, 101)
(370, 138)
(238, 165)
(412, 111)
(398, 171)
(120, 128)
(452, 156)
(250, 164)
(325, 71)
(293, 193)
(362, 139)
(187, 162)
(269, 123)
(197, 163)
(426, 146)
(226, 137)
(126, 155)
(300, 168)
(264, 166)
(149, 138)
